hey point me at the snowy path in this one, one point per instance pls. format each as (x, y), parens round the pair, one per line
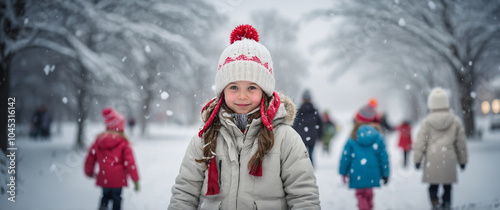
(51, 175)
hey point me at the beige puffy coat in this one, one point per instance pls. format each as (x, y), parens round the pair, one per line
(440, 147)
(287, 182)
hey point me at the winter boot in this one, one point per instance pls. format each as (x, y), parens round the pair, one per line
(446, 206)
(436, 205)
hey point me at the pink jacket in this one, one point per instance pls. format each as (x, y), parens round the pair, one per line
(114, 155)
(405, 136)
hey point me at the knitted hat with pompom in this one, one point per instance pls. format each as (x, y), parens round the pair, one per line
(113, 119)
(366, 113)
(245, 60)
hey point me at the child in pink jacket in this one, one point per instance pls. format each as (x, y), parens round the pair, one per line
(112, 152)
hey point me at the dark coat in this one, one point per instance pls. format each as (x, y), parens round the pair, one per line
(308, 124)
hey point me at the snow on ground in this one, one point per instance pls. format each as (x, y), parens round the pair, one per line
(50, 174)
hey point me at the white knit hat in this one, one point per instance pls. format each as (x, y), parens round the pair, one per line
(245, 60)
(438, 99)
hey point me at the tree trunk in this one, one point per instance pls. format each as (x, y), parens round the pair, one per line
(4, 95)
(82, 110)
(146, 115)
(466, 102)
(82, 116)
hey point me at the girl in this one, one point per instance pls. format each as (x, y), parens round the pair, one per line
(113, 153)
(441, 146)
(246, 156)
(364, 159)
(405, 140)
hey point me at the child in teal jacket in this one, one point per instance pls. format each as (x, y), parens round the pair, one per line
(364, 159)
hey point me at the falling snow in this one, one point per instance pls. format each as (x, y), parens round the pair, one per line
(47, 69)
(164, 95)
(431, 5)
(402, 22)
(363, 161)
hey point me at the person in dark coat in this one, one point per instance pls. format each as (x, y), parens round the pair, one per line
(40, 123)
(308, 124)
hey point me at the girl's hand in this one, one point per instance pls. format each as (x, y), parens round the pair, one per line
(345, 179)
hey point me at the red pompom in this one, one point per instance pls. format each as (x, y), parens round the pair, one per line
(244, 31)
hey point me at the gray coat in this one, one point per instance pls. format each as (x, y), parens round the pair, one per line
(441, 144)
(287, 182)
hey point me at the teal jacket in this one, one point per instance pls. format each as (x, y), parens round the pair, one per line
(365, 160)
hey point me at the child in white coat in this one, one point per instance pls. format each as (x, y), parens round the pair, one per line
(441, 146)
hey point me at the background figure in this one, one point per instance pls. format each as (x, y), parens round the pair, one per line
(112, 152)
(364, 160)
(386, 128)
(131, 124)
(405, 140)
(40, 123)
(308, 124)
(440, 145)
(329, 131)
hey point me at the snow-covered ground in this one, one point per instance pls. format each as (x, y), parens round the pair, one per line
(50, 174)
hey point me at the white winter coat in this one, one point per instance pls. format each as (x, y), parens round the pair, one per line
(441, 144)
(287, 181)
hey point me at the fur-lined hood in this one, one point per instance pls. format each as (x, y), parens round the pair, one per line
(286, 113)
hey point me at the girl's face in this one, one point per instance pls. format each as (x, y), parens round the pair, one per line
(242, 96)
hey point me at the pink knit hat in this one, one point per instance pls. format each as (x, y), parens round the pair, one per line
(113, 119)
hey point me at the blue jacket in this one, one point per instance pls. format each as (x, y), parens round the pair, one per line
(365, 160)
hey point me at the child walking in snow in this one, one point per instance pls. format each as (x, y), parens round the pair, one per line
(405, 140)
(441, 146)
(329, 131)
(247, 155)
(364, 161)
(112, 152)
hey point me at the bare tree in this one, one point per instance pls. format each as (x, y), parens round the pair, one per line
(111, 50)
(11, 26)
(457, 38)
